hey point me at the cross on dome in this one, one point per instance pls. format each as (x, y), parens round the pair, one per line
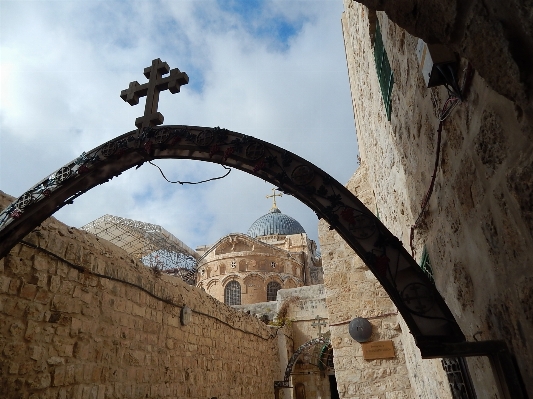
(273, 196)
(156, 83)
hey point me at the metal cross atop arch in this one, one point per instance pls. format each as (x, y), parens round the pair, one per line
(156, 83)
(423, 309)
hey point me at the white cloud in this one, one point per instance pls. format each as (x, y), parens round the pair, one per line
(68, 61)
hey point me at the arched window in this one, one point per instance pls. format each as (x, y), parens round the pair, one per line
(232, 293)
(272, 290)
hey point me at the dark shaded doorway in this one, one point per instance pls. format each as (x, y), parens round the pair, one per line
(333, 387)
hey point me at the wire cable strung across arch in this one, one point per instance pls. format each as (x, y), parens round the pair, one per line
(189, 182)
(417, 299)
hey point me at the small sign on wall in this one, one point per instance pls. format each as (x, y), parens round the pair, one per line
(378, 350)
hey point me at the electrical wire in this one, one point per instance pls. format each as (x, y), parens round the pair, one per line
(188, 182)
(446, 110)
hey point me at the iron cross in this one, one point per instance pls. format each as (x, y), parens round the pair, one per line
(274, 195)
(156, 83)
(319, 323)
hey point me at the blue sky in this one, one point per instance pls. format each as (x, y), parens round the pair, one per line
(275, 70)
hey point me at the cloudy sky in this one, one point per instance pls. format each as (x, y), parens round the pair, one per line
(274, 70)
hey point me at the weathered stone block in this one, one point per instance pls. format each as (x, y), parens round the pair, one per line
(4, 284)
(82, 293)
(55, 360)
(13, 368)
(67, 304)
(37, 352)
(14, 286)
(43, 296)
(55, 283)
(41, 381)
(17, 329)
(18, 265)
(72, 274)
(41, 263)
(66, 288)
(62, 269)
(28, 291)
(58, 376)
(63, 348)
(33, 329)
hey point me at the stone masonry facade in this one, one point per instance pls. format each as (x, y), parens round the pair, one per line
(81, 319)
(353, 291)
(478, 228)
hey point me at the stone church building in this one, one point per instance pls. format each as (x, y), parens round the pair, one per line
(244, 269)
(446, 162)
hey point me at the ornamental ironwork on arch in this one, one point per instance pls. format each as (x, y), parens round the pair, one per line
(423, 309)
(323, 339)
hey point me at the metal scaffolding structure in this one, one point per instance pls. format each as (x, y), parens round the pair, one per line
(150, 243)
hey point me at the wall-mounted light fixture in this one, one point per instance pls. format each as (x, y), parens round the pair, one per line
(360, 329)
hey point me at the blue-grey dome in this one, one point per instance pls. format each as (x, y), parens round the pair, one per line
(275, 222)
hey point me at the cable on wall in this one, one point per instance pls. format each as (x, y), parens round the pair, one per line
(451, 102)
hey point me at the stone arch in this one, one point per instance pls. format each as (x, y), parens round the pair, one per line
(274, 277)
(229, 278)
(210, 284)
(292, 361)
(251, 276)
(291, 283)
(420, 304)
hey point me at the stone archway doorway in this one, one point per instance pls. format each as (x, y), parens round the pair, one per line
(321, 359)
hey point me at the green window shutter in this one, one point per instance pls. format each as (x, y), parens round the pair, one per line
(425, 265)
(384, 71)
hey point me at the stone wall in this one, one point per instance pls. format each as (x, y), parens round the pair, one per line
(80, 319)
(479, 224)
(496, 36)
(353, 291)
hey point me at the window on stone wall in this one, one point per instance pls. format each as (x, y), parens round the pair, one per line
(272, 290)
(456, 368)
(384, 70)
(233, 264)
(273, 265)
(459, 379)
(232, 293)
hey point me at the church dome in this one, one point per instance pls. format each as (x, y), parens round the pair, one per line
(275, 222)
